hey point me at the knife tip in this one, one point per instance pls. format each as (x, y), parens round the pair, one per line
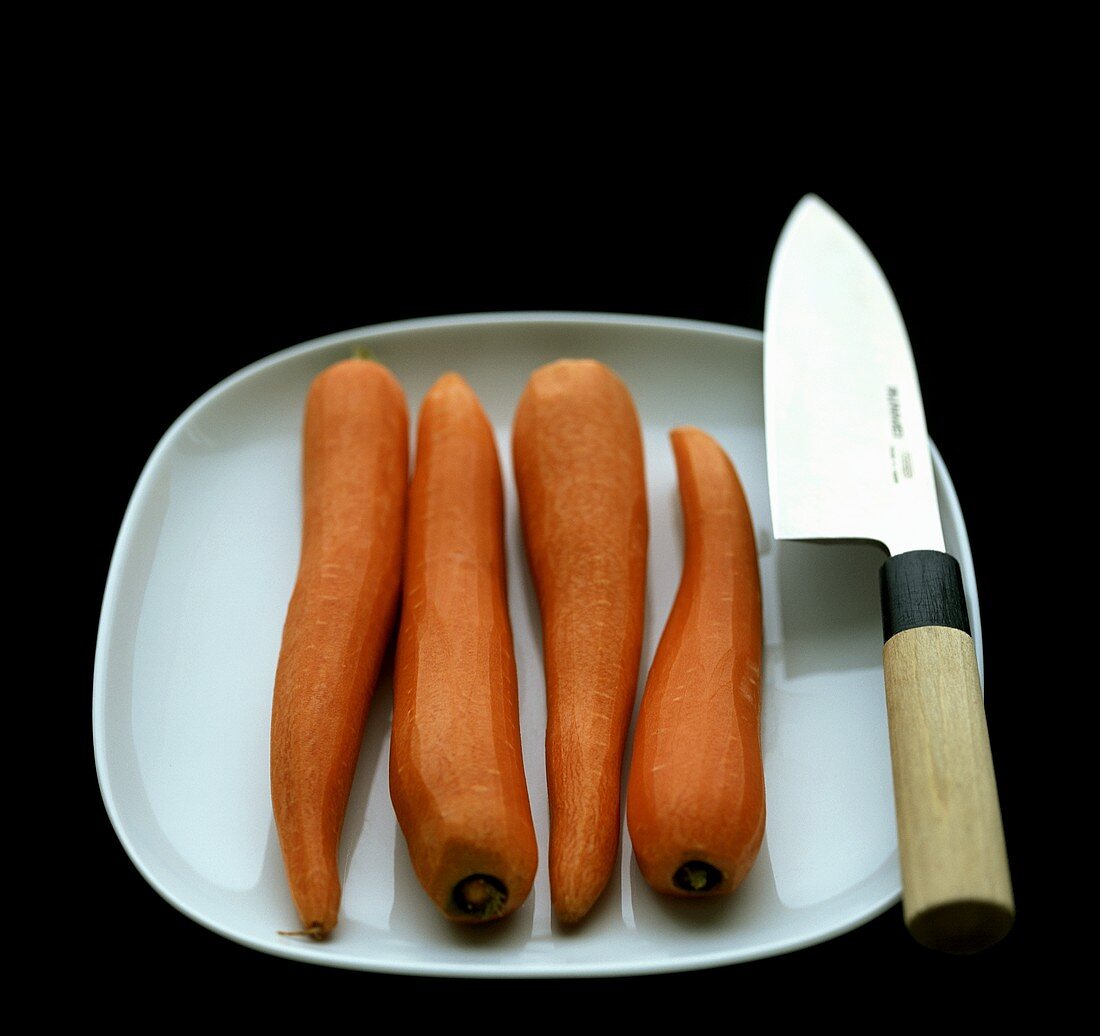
(810, 201)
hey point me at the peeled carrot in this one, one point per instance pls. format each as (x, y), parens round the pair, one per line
(339, 620)
(457, 779)
(695, 792)
(579, 468)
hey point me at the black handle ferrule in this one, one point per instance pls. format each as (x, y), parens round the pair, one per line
(922, 588)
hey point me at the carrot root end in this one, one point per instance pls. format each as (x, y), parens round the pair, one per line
(314, 931)
(697, 876)
(480, 896)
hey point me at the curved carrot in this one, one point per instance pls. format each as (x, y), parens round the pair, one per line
(579, 468)
(457, 780)
(339, 619)
(695, 793)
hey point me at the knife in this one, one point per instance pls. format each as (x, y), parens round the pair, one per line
(848, 459)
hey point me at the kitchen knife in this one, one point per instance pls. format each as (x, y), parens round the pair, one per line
(849, 459)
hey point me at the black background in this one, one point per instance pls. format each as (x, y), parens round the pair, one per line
(200, 255)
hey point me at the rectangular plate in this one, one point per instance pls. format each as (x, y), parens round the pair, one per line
(191, 624)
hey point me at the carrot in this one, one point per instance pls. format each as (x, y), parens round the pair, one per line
(695, 793)
(457, 779)
(339, 620)
(579, 468)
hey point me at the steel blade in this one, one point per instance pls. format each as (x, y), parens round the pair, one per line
(847, 447)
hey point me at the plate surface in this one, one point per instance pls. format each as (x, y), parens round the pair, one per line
(189, 638)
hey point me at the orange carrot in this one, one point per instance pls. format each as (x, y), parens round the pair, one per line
(695, 793)
(579, 468)
(457, 779)
(339, 620)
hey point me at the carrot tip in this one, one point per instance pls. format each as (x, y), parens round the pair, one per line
(314, 931)
(481, 896)
(570, 917)
(697, 876)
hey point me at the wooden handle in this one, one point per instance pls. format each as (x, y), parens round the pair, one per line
(957, 893)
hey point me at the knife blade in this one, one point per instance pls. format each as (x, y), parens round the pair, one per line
(849, 459)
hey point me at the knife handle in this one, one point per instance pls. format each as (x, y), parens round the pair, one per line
(956, 888)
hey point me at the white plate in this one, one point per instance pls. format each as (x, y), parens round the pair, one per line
(190, 631)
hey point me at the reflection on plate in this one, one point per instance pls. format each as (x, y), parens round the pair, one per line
(190, 631)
